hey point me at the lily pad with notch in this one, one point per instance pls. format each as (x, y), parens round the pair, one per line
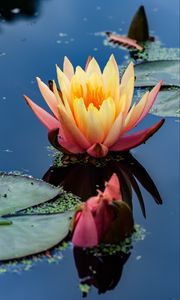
(32, 234)
(23, 234)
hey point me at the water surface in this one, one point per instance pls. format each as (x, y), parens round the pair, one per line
(32, 42)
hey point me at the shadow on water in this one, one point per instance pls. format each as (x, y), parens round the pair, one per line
(127, 168)
(12, 10)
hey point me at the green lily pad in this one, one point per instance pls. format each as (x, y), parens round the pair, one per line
(167, 103)
(18, 192)
(149, 73)
(32, 234)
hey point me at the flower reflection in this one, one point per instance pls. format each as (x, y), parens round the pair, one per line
(93, 111)
(102, 272)
(83, 179)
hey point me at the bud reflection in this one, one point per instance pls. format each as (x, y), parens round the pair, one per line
(102, 272)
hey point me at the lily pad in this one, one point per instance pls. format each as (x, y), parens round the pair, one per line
(18, 192)
(32, 234)
(149, 73)
(167, 103)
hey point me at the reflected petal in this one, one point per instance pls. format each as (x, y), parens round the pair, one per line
(85, 233)
(112, 189)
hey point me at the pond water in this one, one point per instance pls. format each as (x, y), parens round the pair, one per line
(33, 39)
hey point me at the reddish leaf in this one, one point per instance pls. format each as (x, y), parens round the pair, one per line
(123, 41)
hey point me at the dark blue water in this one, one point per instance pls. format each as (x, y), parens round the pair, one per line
(31, 43)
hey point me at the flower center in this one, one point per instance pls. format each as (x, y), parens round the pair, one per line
(90, 90)
(94, 95)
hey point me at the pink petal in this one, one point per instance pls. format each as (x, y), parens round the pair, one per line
(66, 146)
(49, 121)
(49, 97)
(112, 190)
(131, 141)
(67, 140)
(97, 150)
(85, 233)
(93, 202)
(69, 144)
(115, 131)
(151, 99)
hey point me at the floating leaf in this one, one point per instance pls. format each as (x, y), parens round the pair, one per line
(167, 103)
(32, 234)
(138, 29)
(123, 41)
(149, 73)
(19, 192)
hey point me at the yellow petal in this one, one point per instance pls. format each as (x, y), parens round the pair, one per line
(112, 58)
(81, 75)
(62, 79)
(128, 73)
(64, 84)
(127, 85)
(135, 113)
(129, 116)
(128, 90)
(115, 131)
(111, 79)
(121, 104)
(76, 88)
(80, 113)
(94, 130)
(63, 103)
(48, 96)
(82, 78)
(93, 67)
(94, 84)
(68, 68)
(111, 68)
(107, 114)
(56, 93)
(94, 91)
(72, 128)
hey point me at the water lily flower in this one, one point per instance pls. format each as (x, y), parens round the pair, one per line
(102, 218)
(92, 110)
